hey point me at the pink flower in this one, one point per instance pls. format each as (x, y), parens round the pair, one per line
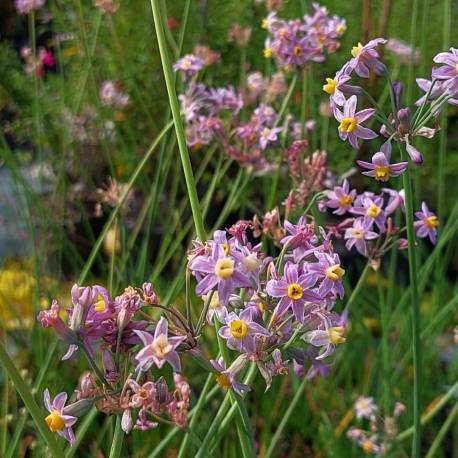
(427, 223)
(365, 58)
(159, 349)
(350, 122)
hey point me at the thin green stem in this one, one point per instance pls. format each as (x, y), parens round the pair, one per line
(415, 306)
(173, 101)
(432, 452)
(116, 444)
(289, 411)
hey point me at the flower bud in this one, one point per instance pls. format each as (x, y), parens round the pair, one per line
(414, 154)
(405, 118)
(79, 408)
(149, 294)
(398, 88)
(126, 421)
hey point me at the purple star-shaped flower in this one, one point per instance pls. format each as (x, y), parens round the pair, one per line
(226, 377)
(341, 198)
(329, 272)
(57, 420)
(240, 331)
(158, 349)
(380, 167)
(427, 223)
(357, 235)
(295, 290)
(372, 210)
(220, 271)
(365, 58)
(350, 122)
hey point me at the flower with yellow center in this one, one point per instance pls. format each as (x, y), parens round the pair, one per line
(100, 305)
(337, 335)
(373, 211)
(382, 173)
(268, 53)
(239, 329)
(161, 346)
(335, 272)
(224, 268)
(356, 50)
(295, 291)
(348, 125)
(346, 200)
(223, 381)
(330, 86)
(55, 422)
(298, 51)
(357, 234)
(432, 222)
(186, 64)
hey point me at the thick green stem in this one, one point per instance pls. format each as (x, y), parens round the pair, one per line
(415, 305)
(173, 101)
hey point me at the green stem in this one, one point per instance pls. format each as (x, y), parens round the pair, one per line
(173, 101)
(451, 393)
(289, 411)
(197, 409)
(432, 452)
(30, 404)
(116, 444)
(416, 326)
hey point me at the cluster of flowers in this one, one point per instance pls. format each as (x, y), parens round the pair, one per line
(297, 42)
(263, 309)
(382, 432)
(215, 114)
(400, 125)
(109, 329)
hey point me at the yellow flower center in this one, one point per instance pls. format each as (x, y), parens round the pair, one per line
(226, 247)
(357, 234)
(341, 28)
(224, 268)
(264, 23)
(373, 211)
(346, 200)
(335, 272)
(368, 446)
(298, 51)
(382, 173)
(330, 86)
(348, 125)
(268, 53)
(432, 222)
(356, 50)
(295, 291)
(239, 329)
(186, 64)
(100, 305)
(55, 422)
(161, 346)
(223, 381)
(337, 335)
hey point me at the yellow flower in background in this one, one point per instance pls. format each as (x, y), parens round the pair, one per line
(17, 286)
